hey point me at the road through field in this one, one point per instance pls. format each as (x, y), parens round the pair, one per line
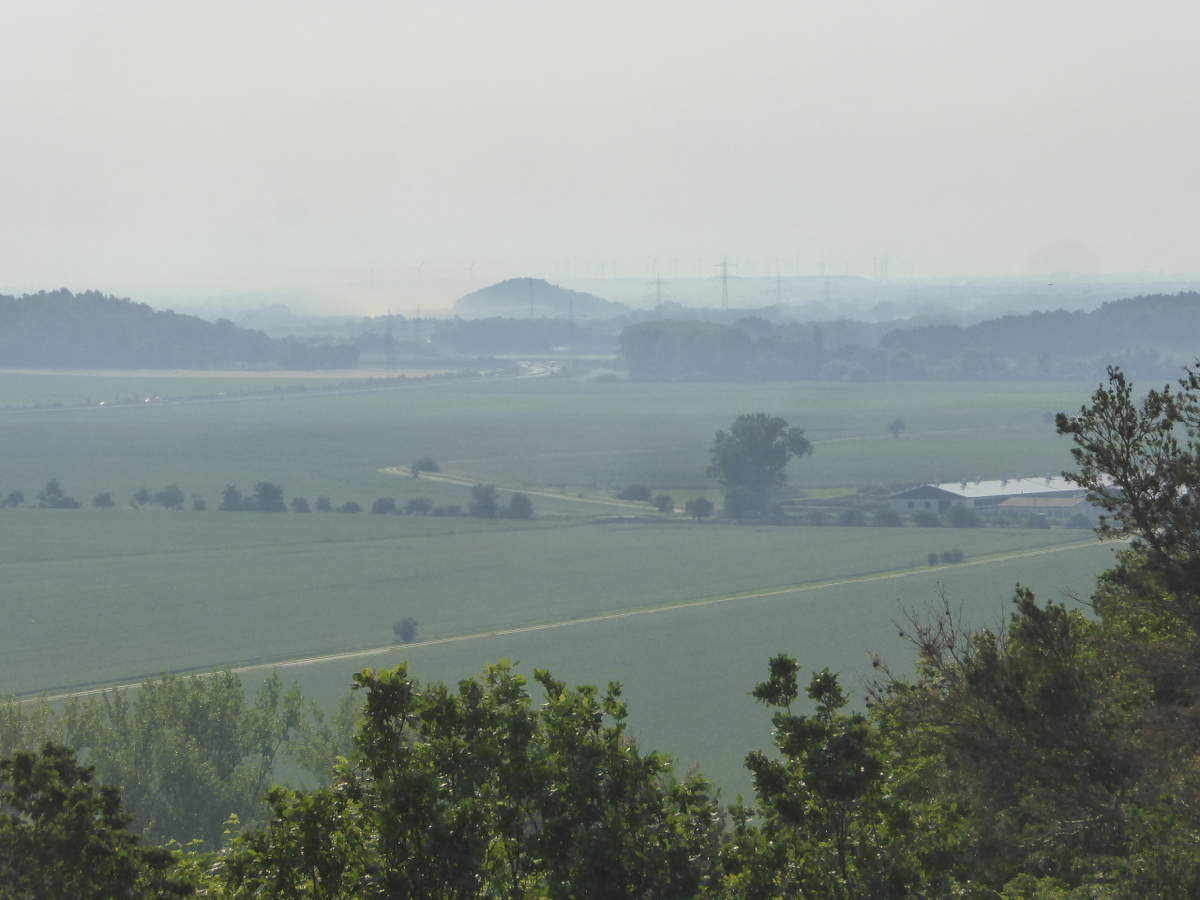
(588, 620)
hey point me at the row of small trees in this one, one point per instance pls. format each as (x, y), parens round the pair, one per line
(268, 497)
(696, 508)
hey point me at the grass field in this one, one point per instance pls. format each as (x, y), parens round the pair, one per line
(94, 596)
(687, 672)
(103, 595)
(20, 389)
(534, 432)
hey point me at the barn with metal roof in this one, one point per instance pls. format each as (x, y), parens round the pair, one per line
(984, 495)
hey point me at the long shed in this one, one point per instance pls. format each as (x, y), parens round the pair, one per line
(983, 495)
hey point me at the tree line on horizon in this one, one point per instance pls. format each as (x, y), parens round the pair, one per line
(1140, 335)
(59, 329)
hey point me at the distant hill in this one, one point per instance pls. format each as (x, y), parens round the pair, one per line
(511, 299)
(1160, 323)
(60, 330)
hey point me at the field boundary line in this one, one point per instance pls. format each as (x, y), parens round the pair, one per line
(263, 396)
(585, 620)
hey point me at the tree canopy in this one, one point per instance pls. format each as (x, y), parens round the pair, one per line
(750, 461)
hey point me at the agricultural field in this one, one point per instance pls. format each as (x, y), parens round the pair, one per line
(32, 389)
(536, 432)
(684, 614)
(687, 672)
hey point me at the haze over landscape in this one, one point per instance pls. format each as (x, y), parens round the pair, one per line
(681, 450)
(215, 151)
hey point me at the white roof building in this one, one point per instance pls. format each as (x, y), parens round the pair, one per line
(981, 494)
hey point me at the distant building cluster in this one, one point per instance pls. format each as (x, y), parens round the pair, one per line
(1052, 497)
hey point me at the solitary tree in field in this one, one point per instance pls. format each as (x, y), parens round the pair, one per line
(405, 629)
(170, 497)
(895, 426)
(424, 464)
(638, 493)
(300, 505)
(52, 497)
(231, 499)
(750, 461)
(103, 499)
(699, 508)
(384, 506)
(141, 497)
(664, 504)
(267, 497)
(519, 507)
(483, 501)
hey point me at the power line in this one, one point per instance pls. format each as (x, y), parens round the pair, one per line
(657, 283)
(724, 265)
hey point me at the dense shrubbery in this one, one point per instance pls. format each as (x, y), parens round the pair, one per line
(637, 493)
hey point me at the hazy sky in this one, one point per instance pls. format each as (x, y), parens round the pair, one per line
(213, 146)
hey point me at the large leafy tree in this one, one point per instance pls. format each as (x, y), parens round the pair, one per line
(475, 792)
(750, 461)
(187, 753)
(1140, 461)
(842, 809)
(63, 837)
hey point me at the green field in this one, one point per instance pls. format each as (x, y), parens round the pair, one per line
(27, 389)
(111, 595)
(687, 672)
(534, 432)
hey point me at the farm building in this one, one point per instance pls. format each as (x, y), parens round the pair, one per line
(1049, 507)
(982, 495)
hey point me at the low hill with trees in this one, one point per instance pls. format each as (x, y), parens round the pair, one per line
(59, 329)
(1135, 326)
(1149, 337)
(534, 297)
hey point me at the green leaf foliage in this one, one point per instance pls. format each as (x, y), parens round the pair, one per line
(750, 461)
(474, 791)
(63, 836)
